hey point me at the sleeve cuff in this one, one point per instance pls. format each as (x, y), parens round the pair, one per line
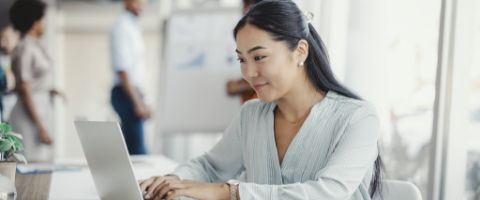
(256, 191)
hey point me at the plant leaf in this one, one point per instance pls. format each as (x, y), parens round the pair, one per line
(12, 142)
(5, 145)
(5, 128)
(17, 143)
(20, 157)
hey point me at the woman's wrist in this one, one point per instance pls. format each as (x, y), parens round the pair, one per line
(173, 175)
(225, 194)
(233, 189)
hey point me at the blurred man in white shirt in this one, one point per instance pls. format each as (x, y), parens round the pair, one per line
(127, 51)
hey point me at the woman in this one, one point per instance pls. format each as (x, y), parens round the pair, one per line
(308, 137)
(32, 69)
(8, 40)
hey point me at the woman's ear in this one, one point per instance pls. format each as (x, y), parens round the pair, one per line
(302, 50)
(38, 26)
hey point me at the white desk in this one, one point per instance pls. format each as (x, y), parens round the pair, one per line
(76, 185)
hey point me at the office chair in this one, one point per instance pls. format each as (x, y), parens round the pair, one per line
(399, 190)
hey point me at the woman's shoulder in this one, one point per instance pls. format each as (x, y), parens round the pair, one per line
(255, 104)
(21, 48)
(255, 107)
(356, 108)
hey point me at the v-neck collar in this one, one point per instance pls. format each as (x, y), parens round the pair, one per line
(295, 143)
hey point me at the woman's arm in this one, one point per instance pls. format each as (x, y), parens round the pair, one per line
(26, 99)
(224, 161)
(22, 75)
(353, 157)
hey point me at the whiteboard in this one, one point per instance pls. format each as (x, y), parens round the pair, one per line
(199, 59)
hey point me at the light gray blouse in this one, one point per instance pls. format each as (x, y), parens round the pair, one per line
(31, 64)
(331, 157)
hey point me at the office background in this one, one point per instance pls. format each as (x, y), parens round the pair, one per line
(418, 61)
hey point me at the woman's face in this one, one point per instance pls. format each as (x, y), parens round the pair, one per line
(39, 27)
(269, 66)
(8, 40)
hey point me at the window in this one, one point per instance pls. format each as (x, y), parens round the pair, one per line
(472, 184)
(388, 55)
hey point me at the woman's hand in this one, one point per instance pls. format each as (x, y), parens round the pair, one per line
(155, 183)
(170, 187)
(44, 136)
(196, 190)
(55, 93)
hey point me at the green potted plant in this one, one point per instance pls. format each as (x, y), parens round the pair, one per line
(11, 147)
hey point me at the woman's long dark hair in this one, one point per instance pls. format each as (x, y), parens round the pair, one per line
(284, 21)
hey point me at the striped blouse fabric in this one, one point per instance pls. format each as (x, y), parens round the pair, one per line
(331, 157)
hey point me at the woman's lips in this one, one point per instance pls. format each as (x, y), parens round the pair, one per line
(259, 86)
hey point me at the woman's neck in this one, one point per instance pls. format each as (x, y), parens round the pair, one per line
(32, 34)
(297, 103)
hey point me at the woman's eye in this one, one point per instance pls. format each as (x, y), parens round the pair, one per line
(241, 60)
(258, 58)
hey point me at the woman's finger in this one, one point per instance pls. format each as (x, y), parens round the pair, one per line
(158, 198)
(160, 192)
(176, 193)
(145, 183)
(153, 186)
(169, 186)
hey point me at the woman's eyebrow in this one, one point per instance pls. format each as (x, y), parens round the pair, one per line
(251, 50)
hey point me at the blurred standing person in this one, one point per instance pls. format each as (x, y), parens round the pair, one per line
(8, 41)
(247, 4)
(127, 48)
(240, 87)
(32, 67)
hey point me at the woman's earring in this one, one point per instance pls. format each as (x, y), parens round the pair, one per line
(300, 64)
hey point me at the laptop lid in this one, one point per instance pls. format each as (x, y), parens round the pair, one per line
(108, 160)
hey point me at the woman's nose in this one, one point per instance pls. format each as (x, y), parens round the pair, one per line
(250, 71)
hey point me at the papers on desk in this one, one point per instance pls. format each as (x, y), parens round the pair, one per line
(41, 168)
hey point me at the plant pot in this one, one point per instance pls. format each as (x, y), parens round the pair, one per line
(8, 169)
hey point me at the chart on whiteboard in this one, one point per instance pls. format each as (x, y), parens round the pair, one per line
(200, 58)
(202, 42)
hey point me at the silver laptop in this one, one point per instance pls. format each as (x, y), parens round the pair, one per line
(108, 160)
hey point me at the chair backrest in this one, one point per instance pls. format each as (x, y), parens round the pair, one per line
(399, 190)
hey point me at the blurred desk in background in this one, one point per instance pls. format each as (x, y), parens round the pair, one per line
(79, 184)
